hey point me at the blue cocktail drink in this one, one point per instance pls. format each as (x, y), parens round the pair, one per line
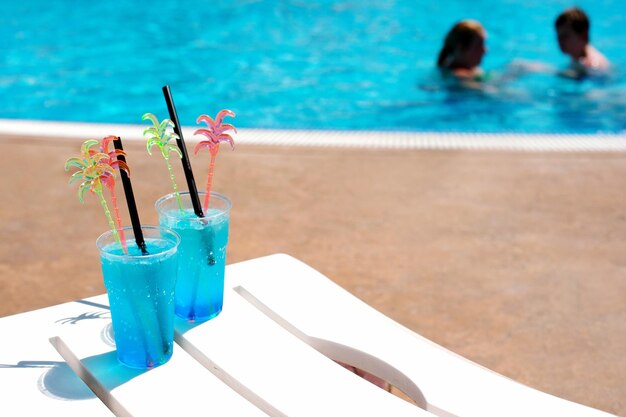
(202, 253)
(141, 288)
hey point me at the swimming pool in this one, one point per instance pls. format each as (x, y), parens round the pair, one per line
(360, 65)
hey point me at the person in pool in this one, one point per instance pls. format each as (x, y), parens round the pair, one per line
(462, 52)
(572, 28)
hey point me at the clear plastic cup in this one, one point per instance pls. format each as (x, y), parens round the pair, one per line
(202, 253)
(141, 288)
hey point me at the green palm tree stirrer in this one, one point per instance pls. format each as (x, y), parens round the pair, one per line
(159, 134)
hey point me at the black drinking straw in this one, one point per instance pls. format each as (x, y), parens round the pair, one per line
(130, 200)
(191, 182)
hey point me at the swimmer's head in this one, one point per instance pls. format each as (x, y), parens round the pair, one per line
(572, 28)
(464, 46)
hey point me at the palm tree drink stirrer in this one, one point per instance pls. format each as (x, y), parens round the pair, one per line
(95, 169)
(116, 160)
(215, 133)
(160, 134)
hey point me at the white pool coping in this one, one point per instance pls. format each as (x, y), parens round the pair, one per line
(338, 138)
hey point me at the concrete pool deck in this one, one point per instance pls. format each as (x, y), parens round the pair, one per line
(515, 260)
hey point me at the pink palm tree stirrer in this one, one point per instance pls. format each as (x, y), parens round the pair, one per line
(109, 180)
(215, 133)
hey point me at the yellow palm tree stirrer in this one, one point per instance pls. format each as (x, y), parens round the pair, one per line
(95, 169)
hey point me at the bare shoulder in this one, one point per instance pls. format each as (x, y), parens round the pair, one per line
(595, 60)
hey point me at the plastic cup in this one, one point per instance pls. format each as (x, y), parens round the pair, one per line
(202, 253)
(141, 294)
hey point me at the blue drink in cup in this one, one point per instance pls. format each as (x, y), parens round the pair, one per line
(201, 254)
(141, 288)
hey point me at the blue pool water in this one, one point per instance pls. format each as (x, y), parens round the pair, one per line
(316, 64)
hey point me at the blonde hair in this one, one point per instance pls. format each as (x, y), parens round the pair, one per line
(461, 35)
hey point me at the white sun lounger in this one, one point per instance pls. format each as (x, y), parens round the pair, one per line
(271, 351)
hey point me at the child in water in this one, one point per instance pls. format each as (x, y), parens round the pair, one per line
(462, 52)
(572, 28)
